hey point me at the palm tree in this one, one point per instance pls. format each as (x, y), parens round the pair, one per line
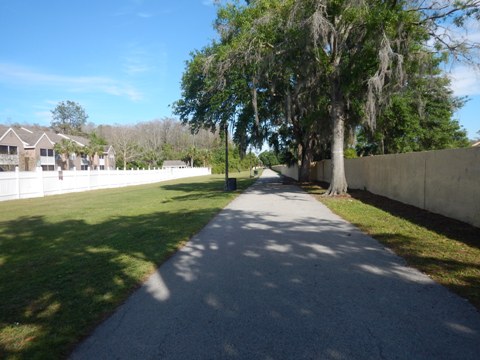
(205, 156)
(190, 155)
(91, 150)
(65, 148)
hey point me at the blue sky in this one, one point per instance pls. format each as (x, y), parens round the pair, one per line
(122, 60)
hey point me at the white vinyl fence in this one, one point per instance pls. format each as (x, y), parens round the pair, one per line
(29, 184)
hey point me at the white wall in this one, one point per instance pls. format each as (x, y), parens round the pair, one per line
(26, 184)
(291, 172)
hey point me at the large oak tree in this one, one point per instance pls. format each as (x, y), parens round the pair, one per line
(310, 70)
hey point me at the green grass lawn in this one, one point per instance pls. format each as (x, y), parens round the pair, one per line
(445, 249)
(68, 261)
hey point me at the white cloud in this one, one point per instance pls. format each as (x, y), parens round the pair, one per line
(472, 30)
(144, 60)
(134, 66)
(15, 75)
(465, 81)
(137, 62)
(144, 15)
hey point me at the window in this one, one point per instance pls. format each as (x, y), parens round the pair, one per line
(5, 167)
(102, 167)
(48, 167)
(84, 167)
(46, 152)
(8, 150)
(101, 156)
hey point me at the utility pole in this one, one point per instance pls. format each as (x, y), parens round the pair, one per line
(226, 157)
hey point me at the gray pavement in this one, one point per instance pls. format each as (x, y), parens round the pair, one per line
(276, 275)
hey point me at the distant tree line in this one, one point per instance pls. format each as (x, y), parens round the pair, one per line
(148, 144)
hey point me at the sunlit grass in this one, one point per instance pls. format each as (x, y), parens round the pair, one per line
(445, 249)
(68, 261)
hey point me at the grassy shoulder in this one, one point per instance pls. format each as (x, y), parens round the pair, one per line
(68, 261)
(446, 250)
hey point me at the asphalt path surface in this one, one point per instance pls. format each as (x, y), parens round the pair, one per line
(276, 275)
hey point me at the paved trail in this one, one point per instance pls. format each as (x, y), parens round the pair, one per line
(277, 276)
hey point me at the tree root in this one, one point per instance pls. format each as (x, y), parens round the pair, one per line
(335, 191)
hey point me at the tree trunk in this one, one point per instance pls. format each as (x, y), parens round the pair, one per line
(67, 162)
(338, 182)
(305, 161)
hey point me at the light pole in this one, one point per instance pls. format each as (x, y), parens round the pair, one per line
(226, 157)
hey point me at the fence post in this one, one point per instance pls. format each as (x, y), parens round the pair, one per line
(89, 175)
(75, 182)
(17, 182)
(42, 181)
(60, 180)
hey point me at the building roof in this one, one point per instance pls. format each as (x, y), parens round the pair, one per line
(174, 163)
(476, 144)
(53, 136)
(78, 139)
(33, 135)
(107, 148)
(30, 136)
(3, 130)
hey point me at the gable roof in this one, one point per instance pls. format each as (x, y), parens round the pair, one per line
(107, 148)
(477, 144)
(7, 130)
(30, 137)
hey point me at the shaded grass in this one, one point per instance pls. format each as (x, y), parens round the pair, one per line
(67, 261)
(445, 249)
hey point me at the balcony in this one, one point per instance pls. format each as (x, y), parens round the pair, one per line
(47, 160)
(9, 159)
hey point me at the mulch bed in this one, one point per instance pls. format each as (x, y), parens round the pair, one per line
(451, 228)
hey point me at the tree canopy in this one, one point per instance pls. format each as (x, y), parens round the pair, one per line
(66, 148)
(148, 144)
(68, 117)
(308, 74)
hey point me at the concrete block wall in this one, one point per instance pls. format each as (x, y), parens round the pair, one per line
(445, 182)
(291, 172)
(452, 184)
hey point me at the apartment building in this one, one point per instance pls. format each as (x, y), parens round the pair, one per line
(32, 148)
